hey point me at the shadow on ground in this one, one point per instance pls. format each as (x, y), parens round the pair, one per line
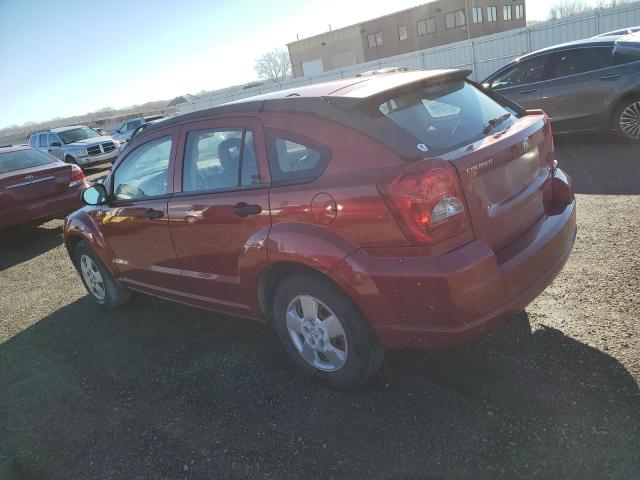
(599, 163)
(22, 243)
(158, 390)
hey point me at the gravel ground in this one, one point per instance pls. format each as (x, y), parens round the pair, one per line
(160, 390)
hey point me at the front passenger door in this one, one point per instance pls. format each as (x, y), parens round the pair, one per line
(524, 82)
(55, 146)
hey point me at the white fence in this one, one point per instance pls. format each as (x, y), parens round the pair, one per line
(483, 55)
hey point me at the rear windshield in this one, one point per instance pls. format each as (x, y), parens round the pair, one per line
(75, 134)
(20, 159)
(446, 115)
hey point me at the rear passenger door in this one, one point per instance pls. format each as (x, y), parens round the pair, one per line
(582, 87)
(220, 219)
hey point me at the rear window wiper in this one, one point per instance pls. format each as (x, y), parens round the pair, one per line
(491, 124)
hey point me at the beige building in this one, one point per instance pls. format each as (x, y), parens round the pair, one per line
(428, 25)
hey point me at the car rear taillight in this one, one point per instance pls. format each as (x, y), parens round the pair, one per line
(77, 175)
(426, 199)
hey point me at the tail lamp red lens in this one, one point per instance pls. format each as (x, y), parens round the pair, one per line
(77, 175)
(426, 199)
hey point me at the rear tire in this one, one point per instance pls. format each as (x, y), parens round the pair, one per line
(324, 333)
(626, 120)
(100, 284)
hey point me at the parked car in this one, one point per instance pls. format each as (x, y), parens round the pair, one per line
(139, 129)
(397, 210)
(586, 85)
(35, 187)
(622, 31)
(76, 144)
(123, 133)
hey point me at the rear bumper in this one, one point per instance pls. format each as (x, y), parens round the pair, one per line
(45, 208)
(450, 299)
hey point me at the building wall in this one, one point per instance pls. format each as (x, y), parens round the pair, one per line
(337, 49)
(389, 24)
(349, 46)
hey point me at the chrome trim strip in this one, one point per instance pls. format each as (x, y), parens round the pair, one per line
(30, 182)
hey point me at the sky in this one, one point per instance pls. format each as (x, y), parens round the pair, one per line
(71, 57)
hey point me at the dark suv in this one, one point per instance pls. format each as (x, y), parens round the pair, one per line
(591, 84)
(396, 210)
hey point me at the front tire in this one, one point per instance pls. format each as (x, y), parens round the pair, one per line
(97, 279)
(324, 333)
(626, 120)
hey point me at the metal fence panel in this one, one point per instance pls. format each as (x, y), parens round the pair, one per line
(484, 55)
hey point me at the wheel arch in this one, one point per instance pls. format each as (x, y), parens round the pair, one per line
(273, 275)
(626, 97)
(79, 226)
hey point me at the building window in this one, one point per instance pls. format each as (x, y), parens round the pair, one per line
(374, 39)
(477, 14)
(506, 12)
(519, 11)
(428, 25)
(402, 32)
(492, 14)
(455, 19)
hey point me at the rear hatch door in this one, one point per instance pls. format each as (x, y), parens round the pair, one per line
(506, 179)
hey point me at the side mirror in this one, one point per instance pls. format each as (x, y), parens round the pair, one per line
(95, 195)
(118, 131)
(55, 144)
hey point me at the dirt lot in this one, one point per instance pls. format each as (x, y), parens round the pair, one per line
(159, 390)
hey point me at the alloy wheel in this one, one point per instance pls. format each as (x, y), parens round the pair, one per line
(92, 277)
(317, 333)
(630, 121)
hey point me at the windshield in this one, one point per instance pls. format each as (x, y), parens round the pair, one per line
(21, 159)
(446, 115)
(75, 134)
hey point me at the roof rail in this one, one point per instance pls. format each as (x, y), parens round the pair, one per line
(382, 71)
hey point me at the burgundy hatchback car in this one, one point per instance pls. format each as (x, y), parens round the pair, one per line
(397, 210)
(35, 187)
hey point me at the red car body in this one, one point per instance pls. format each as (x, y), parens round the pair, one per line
(227, 251)
(34, 193)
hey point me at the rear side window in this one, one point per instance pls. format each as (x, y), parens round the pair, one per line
(295, 158)
(33, 140)
(444, 116)
(219, 159)
(42, 141)
(18, 160)
(581, 60)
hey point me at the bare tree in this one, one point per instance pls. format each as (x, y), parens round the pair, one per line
(566, 8)
(274, 65)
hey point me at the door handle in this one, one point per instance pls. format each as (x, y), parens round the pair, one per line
(152, 214)
(244, 210)
(529, 91)
(611, 77)
(49, 150)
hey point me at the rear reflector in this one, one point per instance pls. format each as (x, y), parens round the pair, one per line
(77, 175)
(426, 200)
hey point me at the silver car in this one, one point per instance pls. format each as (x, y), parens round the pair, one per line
(586, 85)
(76, 144)
(123, 133)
